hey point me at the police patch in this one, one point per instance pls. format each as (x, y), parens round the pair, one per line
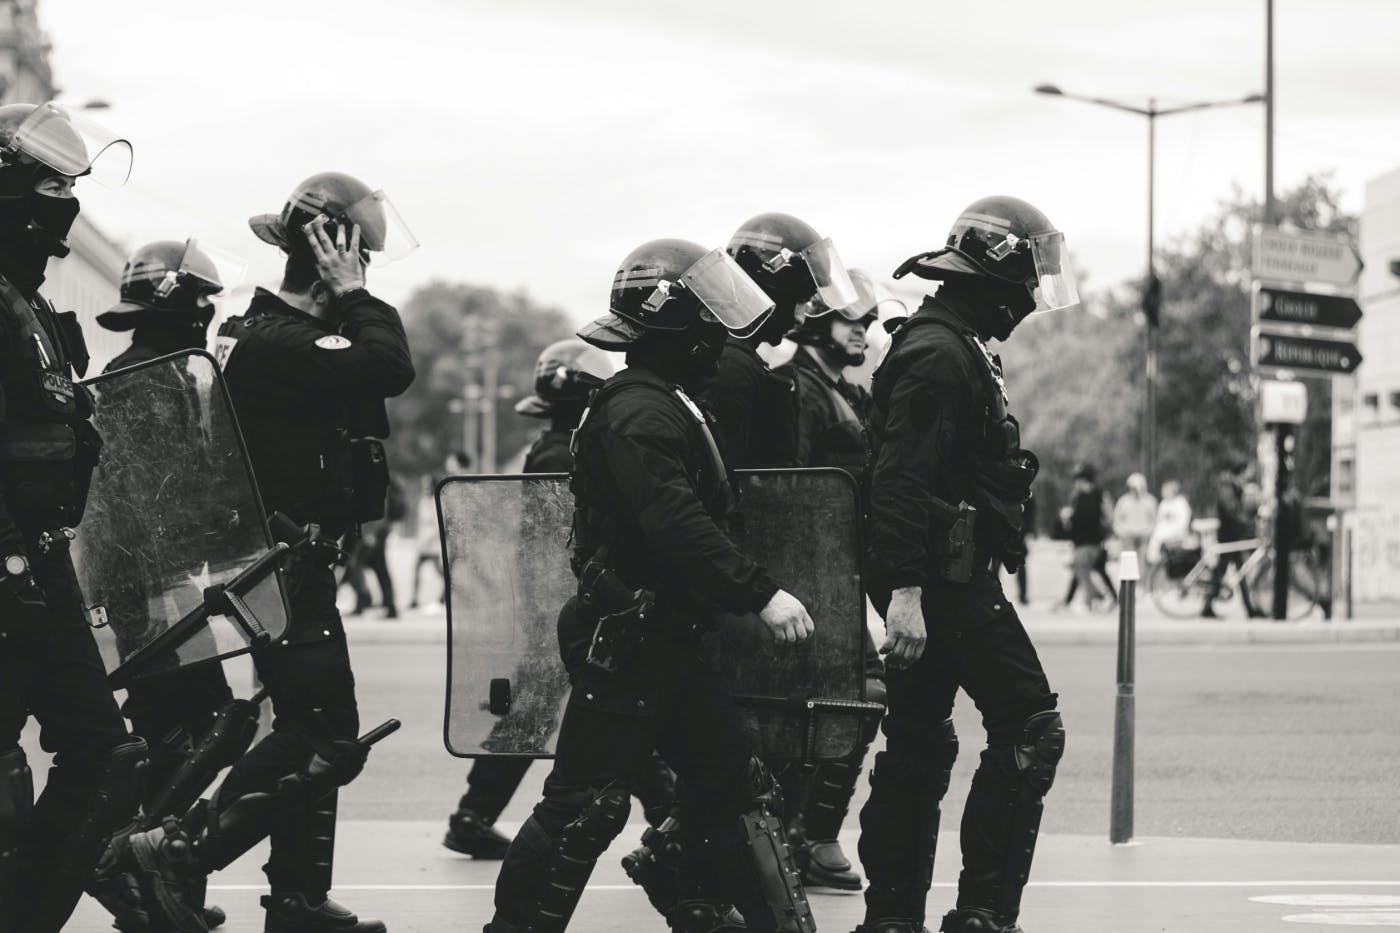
(332, 342)
(223, 346)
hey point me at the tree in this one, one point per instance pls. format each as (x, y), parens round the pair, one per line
(1076, 377)
(426, 420)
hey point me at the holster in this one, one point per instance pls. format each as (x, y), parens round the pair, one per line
(369, 476)
(621, 613)
(954, 550)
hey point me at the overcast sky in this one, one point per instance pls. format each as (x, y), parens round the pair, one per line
(533, 144)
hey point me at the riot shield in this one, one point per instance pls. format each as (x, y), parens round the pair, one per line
(506, 552)
(173, 554)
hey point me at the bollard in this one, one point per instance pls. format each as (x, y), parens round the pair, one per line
(1120, 828)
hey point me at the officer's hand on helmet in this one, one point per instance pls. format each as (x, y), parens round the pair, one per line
(338, 262)
(786, 618)
(905, 633)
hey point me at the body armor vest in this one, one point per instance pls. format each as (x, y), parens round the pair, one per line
(47, 447)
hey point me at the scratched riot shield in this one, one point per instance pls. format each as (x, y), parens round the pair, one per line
(173, 555)
(506, 550)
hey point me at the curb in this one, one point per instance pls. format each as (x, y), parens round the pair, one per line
(432, 630)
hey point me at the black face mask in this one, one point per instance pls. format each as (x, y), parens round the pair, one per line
(52, 220)
(992, 308)
(689, 358)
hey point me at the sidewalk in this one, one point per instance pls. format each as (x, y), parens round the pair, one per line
(1046, 627)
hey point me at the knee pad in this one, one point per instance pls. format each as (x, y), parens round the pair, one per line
(1039, 752)
(226, 740)
(597, 826)
(929, 764)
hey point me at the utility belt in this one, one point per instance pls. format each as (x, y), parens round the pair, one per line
(623, 615)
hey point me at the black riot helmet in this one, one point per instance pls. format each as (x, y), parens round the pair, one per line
(1004, 240)
(565, 374)
(791, 261)
(669, 287)
(169, 282)
(336, 199)
(42, 141)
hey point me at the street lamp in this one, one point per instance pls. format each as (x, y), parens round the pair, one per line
(1152, 288)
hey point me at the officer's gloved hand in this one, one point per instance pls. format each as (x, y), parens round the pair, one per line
(336, 763)
(786, 618)
(22, 606)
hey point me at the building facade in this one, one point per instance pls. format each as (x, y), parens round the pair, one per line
(1367, 426)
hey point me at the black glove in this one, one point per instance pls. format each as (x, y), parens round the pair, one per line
(22, 606)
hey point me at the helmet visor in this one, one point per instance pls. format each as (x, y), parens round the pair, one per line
(727, 293)
(382, 229)
(834, 286)
(219, 269)
(1055, 287)
(74, 145)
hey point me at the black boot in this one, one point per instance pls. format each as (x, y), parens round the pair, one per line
(699, 916)
(172, 884)
(977, 920)
(470, 834)
(290, 913)
(891, 926)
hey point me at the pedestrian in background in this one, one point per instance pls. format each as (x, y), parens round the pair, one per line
(429, 545)
(1173, 524)
(1236, 513)
(1135, 516)
(1088, 530)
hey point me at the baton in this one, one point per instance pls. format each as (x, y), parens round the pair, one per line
(382, 731)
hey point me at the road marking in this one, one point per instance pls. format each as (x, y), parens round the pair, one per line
(1329, 900)
(1349, 918)
(941, 884)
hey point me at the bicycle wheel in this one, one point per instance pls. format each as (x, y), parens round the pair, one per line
(1305, 585)
(1179, 598)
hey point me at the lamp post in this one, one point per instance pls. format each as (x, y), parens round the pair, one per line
(1152, 287)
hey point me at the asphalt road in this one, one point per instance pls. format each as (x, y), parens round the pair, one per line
(1287, 743)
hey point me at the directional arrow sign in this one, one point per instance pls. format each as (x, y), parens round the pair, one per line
(1304, 257)
(1287, 307)
(1288, 352)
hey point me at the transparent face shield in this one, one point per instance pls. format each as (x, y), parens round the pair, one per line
(834, 285)
(728, 295)
(382, 228)
(73, 145)
(1055, 287)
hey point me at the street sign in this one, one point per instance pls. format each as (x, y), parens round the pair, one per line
(1304, 257)
(1284, 351)
(1282, 402)
(1288, 307)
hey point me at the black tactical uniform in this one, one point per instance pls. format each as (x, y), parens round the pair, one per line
(652, 500)
(302, 391)
(50, 667)
(942, 437)
(755, 409)
(831, 417)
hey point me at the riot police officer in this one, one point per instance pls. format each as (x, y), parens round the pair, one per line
(166, 304)
(654, 563)
(49, 663)
(947, 492)
(831, 432)
(755, 410)
(566, 374)
(308, 370)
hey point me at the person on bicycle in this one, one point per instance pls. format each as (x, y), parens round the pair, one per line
(1236, 524)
